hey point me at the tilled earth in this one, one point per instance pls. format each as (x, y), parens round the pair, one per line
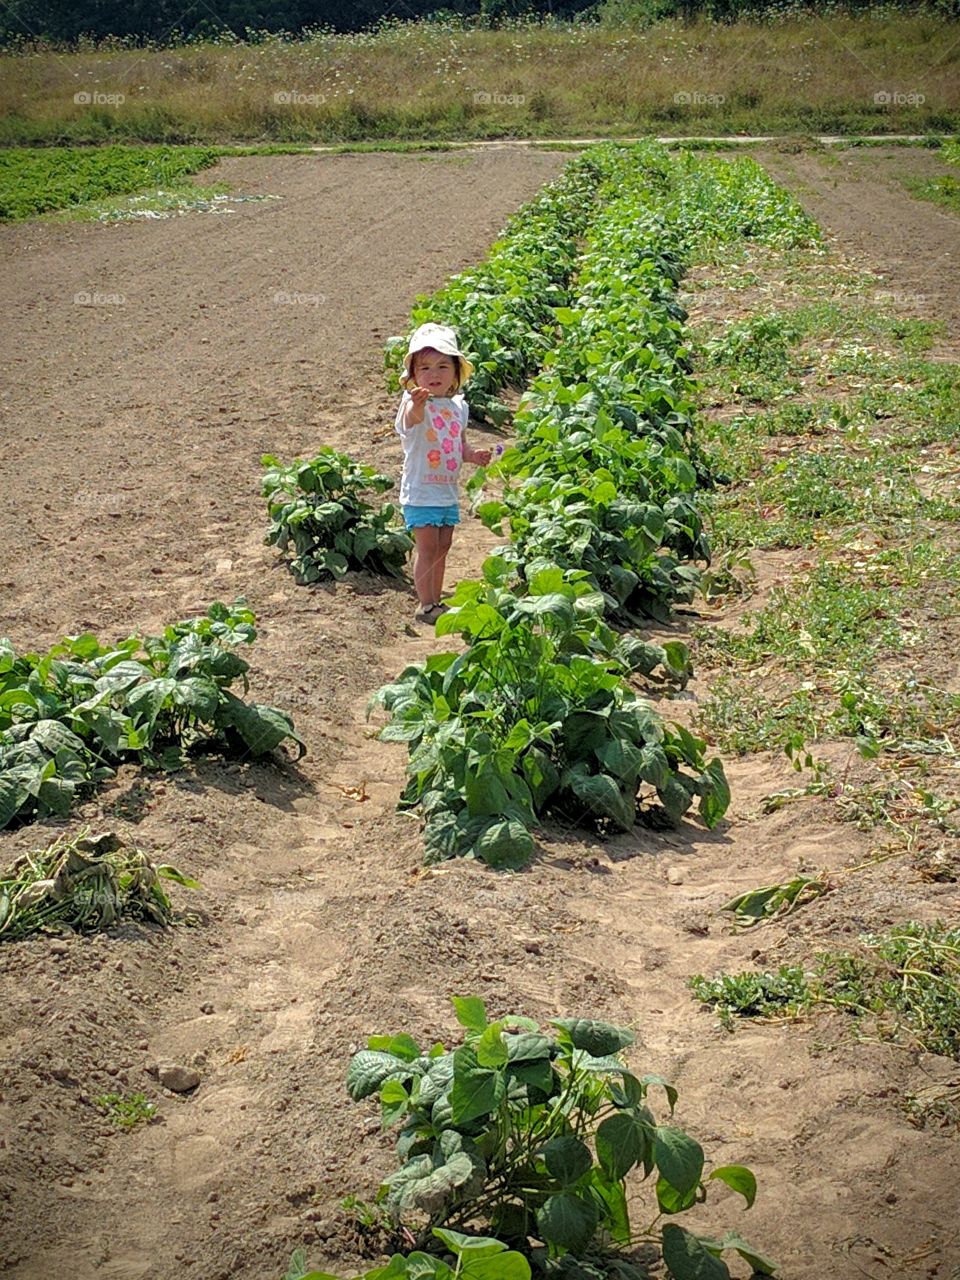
(131, 444)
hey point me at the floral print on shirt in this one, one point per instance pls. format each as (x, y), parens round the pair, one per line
(445, 431)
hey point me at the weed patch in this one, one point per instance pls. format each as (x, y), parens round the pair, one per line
(902, 984)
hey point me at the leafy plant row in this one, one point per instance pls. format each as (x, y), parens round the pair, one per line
(528, 1134)
(605, 472)
(36, 179)
(70, 716)
(502, 308)
(537, 714)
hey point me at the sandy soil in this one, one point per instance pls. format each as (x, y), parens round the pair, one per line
(130, 451)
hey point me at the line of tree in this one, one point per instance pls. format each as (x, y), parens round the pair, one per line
(164, 21)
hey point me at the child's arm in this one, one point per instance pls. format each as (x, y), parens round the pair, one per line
(479, 456)
(413, 409)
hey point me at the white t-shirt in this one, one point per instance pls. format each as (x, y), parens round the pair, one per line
(433, 452)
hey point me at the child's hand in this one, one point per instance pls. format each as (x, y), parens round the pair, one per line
(413, 414)
(480, 456)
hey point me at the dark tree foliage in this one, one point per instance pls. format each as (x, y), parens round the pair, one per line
(166, 21)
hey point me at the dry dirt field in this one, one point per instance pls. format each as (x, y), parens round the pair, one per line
(129, 492)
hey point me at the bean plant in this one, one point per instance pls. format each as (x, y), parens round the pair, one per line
(70, 716)
(528, 1134)
(320, 509)
(535, 716)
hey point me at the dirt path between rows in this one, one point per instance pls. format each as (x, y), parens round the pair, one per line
(913, 245)
(130, 466)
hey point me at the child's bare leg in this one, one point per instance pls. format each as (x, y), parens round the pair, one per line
(427, 539)
(444, 540)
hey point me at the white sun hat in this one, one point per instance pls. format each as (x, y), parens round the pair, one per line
(441, 338)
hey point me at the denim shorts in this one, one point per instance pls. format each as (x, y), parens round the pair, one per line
(417, 517)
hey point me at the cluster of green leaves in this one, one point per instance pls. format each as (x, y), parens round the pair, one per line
(774, 901)
(127, 1111)
(716, 201)
(530, 1134)
(754, 995)
(502, 307)
(906, 980)
(319, 508)
(84, 883)
(70, 716)
(472, 1258)
(535, 715)
(36, 179)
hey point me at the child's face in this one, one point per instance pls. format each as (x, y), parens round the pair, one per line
(435, 371)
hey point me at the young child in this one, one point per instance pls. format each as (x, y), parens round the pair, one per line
(431, 422)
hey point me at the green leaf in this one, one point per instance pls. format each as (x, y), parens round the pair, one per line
(519, 737)
(490, 1048)
(602, 797)
(614, 1214)
(171, 873)
(529, 1046)
(739, 1178)
(714, 802)
(761, 1264)
(505, 1266)
(670, 1200)
(369, 1069)
(541, 776)
(471, 1246)
(688, 1259)
(621, 759)
(507, 845)
(197, 695)
(567, 1221)
(483, 1258)
(261, 728)
(477, 1091)
(596, 1038)
(14, 792)
(675, 797)
(538, 1075)
(551, 605)
(394, 1102)
(679, 1158)
(471, 1012)
(669, 1089)
(622, 1142)
(485, 793)
(654, 766)
(415, 1266)
(567, 1159)
(420, 1184)
(401, 1046)
(54, 736)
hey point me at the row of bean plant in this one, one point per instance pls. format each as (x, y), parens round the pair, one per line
(536, 714)
(505, 303)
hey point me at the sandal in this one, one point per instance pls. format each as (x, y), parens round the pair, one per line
(430, 612)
